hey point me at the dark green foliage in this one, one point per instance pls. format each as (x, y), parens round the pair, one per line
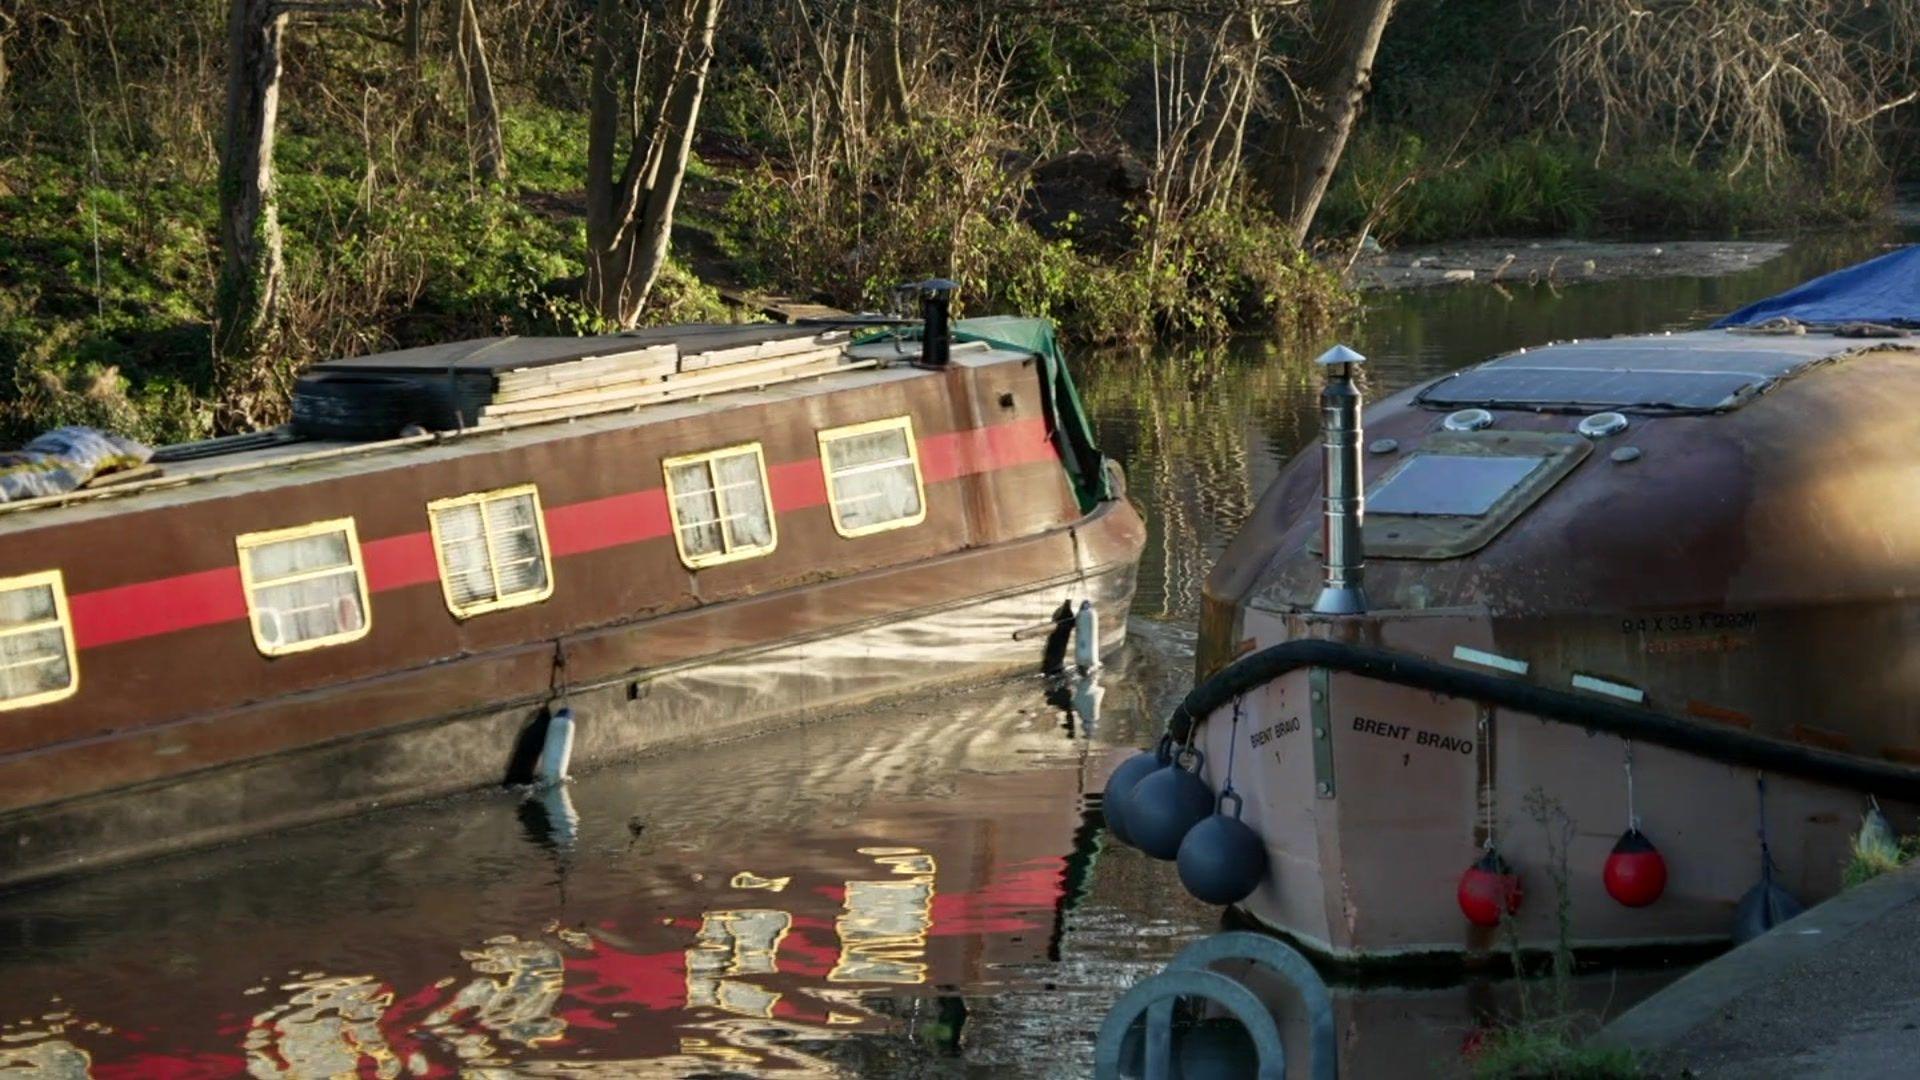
(1205, 276)
(1555, 187)
(1461, 102)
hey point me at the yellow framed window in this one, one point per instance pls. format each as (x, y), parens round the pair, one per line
(720, 506)
(492, 550)
(36, 641)
(305, 586)
(873, 476)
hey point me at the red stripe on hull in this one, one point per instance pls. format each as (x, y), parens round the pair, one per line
(399, 561)
(978, 450)
(105, 616)
(185, 601)
(610, 522)
(797, 485)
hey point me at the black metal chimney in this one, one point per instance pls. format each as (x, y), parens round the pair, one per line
(936, 335)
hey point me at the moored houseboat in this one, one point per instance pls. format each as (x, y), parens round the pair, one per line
(1625, 622)
(677, 534)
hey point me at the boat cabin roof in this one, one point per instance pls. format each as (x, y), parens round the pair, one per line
(267, 459)
(493, 355)
(1701, 371)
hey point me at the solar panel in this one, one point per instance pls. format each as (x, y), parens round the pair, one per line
(1664, 354)
(1593, 388)
(1702, 371)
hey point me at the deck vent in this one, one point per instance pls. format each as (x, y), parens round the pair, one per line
(1601, 425)
(1468, 420)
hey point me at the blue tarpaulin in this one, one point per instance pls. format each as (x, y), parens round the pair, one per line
(1883, 290)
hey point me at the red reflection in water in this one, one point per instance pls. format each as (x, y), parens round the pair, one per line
(605, 983)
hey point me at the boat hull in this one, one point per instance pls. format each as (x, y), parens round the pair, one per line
(989, 613)
(1369, 826)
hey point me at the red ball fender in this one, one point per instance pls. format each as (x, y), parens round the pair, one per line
(1636, 873)
(1488, 890)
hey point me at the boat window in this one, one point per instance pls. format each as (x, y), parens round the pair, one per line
(36, 641)
(873, 476)
(492, 549)
(719, 505)
(1459, 485)
(305, 586)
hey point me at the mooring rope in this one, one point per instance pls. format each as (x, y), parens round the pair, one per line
(1233, 746)
(1766, 850)
(1633, 818)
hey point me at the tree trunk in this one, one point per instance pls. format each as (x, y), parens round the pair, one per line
(886, 67)
(630, 219)
(249, 289)
(1330, 91)
(483, 110)
(411, 32)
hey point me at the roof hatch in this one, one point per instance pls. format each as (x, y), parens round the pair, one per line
(1461, 489)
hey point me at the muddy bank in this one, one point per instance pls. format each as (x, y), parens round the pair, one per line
(1555, 261)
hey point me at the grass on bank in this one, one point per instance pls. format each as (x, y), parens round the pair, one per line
(1549, 1051)
(1412, 191)
(1874, 852)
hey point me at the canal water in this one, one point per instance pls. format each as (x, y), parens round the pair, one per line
(925, 890)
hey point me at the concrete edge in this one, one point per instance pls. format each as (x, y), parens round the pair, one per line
(1701, 995)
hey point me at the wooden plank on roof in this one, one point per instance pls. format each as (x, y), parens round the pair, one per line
(124, 476)
(766, 350)
(671, 390)
(650, 358)
(820, 362)
(588, 382)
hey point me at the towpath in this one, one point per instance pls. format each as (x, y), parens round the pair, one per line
(1833, 993)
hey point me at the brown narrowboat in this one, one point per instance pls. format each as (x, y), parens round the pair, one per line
(1633, 624)
(679, 534)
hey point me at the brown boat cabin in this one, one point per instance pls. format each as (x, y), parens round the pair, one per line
(275, 629)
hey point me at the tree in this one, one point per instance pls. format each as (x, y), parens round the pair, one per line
(251, 270)
(1327, 98)
(630, 216)
(483, 110)
(1759, 82)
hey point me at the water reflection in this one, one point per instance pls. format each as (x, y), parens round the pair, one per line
(327, 1027)
(733, 944)
(883, 926)
(784, 890)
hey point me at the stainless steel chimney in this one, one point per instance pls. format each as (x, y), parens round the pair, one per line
(1344, 501)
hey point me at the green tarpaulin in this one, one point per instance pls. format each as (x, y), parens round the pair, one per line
(1066, 418)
